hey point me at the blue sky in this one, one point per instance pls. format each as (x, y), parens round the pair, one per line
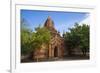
(62, 20)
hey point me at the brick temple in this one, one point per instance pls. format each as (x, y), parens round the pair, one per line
(56, 45)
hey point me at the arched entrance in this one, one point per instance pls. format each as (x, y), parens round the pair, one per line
(55, 52)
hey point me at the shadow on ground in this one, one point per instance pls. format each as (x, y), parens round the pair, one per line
(65, 58)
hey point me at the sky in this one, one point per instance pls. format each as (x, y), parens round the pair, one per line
(62, 20)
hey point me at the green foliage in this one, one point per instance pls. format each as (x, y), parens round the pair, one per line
(25, 37)
(25, 41)
(33, 40)
(78, 37)
(41, 37)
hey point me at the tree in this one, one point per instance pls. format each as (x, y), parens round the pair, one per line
(40, 39)
(30, 40)
(78, 37)
(25, 37)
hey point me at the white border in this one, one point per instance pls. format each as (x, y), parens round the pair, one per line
(17, 66)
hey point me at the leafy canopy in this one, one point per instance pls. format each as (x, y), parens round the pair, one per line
(78, 37)
(33, 40)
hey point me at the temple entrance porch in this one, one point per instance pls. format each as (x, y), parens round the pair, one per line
(54, 53)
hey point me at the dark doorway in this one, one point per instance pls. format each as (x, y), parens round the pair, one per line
(55, 52)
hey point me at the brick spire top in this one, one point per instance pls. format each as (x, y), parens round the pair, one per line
(49, 23)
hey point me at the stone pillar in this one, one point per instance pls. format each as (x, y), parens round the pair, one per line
(60, 51)
(50, 54)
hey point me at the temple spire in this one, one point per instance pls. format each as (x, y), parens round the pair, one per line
(49, 22)
(49, 18)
